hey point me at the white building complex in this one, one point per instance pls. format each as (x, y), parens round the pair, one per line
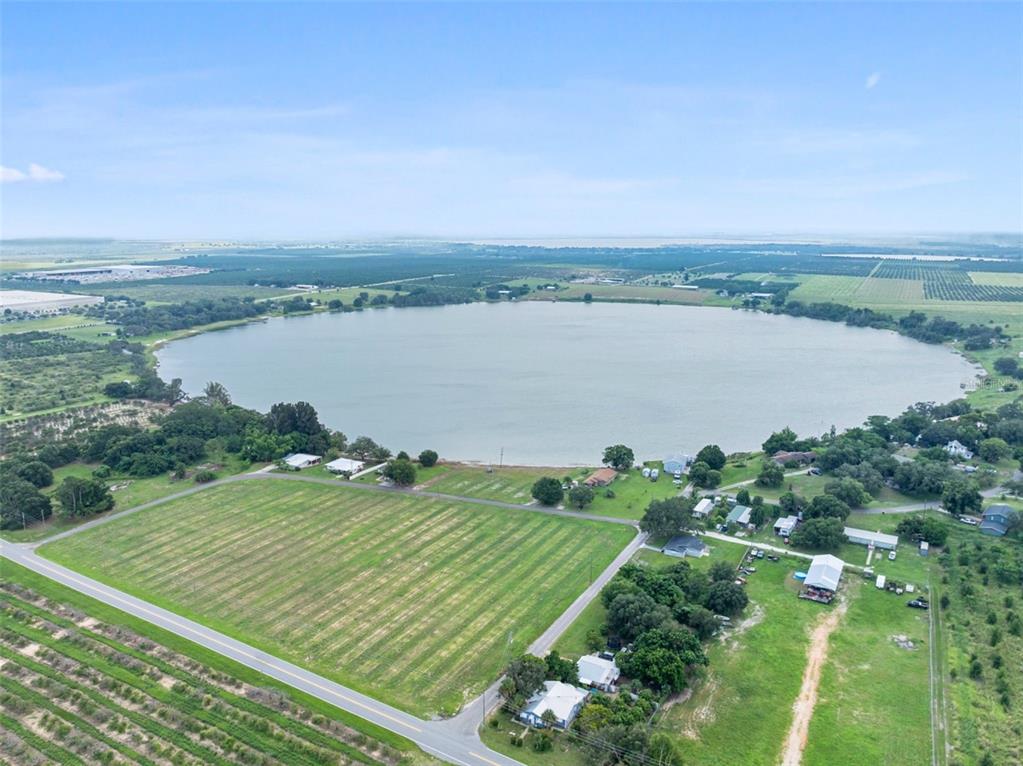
(32, 302)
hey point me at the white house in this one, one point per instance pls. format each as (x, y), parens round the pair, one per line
(783, 527)
(877, 539)
(563, 700)
(956, 449)
(345, 465)
(598, 673)
(703, 508)
(298, 460)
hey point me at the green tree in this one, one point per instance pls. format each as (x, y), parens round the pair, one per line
(822, 534)
(721, 571)
(216, 393)
(742, 497)
(428, 458)
(581, 496)
(36, 473)
(668, 517)
(523, 677)
(547, 491)
(631, 614)
(702, 475)
(994, 449)
(400, 471)
(780, 441)
(771, 475)
(827, 506)
(21, 503)
(961, 497)
(713, 456)
(849, 491)
(619, 457)
(83, 497)
(727, 598)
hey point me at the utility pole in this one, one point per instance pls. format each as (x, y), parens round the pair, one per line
(500, 462)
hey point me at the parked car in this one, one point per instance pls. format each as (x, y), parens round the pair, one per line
(814, 472)
(919, 603)
(891, 555)
(965, 520)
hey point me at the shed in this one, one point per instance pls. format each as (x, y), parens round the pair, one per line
(686, 545)
(300, 460)
(563, 700)
(597, 672)
(925, 547)
(877, 539)
(879, 583)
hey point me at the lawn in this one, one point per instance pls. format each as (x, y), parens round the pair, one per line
(84, 682)
(632, 495)
(48, 324)
(510, 484)
(873, 704)
(740, 712)
(418, 602)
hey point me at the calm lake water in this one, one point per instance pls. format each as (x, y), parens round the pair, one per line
(554, 383)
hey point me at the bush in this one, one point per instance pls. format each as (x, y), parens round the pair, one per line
(428, 458)
(204, 477)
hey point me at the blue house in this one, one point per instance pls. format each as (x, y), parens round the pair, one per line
(997, 519)
(676, 463)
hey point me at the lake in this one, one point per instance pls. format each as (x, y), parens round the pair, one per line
(554, 383)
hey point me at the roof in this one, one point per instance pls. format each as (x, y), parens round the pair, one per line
(605, 475)
(345, 465)
(596, 671)
(999, 509)
(874, 537)
(825, 572)
(677, 457)
(686, 544)
(739, 515)
(788, 522)
(996, 518)
(703, 506)
(557, 697)
(300, 458)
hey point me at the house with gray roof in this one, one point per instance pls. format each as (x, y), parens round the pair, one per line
(997, 519)
(686, 545)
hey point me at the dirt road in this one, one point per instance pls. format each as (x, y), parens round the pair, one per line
(795, 741)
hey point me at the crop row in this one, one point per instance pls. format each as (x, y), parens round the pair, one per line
(82, 692)
(947, 284)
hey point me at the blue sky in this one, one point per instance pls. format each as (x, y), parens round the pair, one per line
(309, 121)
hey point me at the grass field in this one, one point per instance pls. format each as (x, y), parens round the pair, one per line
(873, 703)
(741, 710)
(48, 324)
(128, 492)
(511, 484)
(637, 293)
(82, 683)
(417, 602)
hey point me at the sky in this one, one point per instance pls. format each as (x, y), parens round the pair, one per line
(330, 121)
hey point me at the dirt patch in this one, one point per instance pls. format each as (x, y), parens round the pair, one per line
(795, 740)
(731, 637)
(703, 713)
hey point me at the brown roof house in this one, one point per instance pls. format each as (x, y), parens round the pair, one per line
(601, 477)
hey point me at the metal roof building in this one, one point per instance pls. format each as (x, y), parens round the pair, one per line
(825, 572)
(877, 539)
(563, 700)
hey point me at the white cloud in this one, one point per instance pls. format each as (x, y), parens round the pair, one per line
(35, 173)
(873, 79)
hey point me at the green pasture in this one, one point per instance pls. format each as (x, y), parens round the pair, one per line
(418, 602)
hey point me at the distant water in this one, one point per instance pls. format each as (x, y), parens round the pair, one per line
(554, 383)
